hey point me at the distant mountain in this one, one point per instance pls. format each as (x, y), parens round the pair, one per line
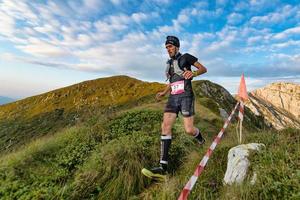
(278, 103)
(5, 100)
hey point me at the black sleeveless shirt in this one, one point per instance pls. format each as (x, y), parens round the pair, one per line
(176, 66)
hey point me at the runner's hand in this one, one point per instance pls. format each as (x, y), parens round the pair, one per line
(188, 74)
(159, 95)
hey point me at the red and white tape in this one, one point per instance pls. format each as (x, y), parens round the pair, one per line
(190, 184)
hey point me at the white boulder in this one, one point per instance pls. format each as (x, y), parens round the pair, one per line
(238, 162)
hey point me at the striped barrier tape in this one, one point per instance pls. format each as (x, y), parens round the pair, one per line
(190, 184)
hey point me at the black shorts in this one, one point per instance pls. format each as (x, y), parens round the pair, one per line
(183, 104)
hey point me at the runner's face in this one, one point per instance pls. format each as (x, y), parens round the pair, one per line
(171, 50)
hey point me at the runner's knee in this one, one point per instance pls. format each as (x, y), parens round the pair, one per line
(166, 128)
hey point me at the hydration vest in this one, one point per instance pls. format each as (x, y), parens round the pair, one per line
(177, 64)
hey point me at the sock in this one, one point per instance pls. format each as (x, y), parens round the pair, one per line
(164, 150)
(198, 135)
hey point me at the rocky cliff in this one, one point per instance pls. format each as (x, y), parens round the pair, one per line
(279, 103)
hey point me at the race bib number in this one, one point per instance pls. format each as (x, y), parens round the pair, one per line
(177, 87)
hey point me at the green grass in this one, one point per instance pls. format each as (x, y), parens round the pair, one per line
(42, 168)
(102, 159)
(111, 157)
(277, 168)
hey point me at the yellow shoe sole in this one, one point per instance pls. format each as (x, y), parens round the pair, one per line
(151, 175)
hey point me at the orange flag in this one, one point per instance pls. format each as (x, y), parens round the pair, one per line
(242, 93)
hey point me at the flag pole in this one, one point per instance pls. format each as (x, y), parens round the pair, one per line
(242, 96)
(241, 122)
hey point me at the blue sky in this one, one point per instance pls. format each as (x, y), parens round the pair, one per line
(46, 45)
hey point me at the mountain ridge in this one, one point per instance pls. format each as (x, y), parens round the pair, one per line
(47, 113)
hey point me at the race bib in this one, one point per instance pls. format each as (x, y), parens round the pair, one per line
(177, 87)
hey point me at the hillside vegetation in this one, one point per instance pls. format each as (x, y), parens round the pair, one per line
(101, 155)
(30, 118)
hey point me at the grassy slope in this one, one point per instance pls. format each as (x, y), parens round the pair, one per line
(102, 159)
(36, 116)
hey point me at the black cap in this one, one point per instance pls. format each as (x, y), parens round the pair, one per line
(173, 40)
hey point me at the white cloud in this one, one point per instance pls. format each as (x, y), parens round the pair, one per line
(182, 18)
(18, 9)
(139, 17)
(287, 62)
(104, 27)
(42, 48)
(289, 43)
(197, 12)
(241, 6)
(127, 53)
(261, 5)
(254, 39)
(203, 15)
(116, 2)
(257, 2)
(117, 43)
(7, 25)
(198, 42)
(279, 16)
(288, 32)
(119, 19)
(224, 41)
(178, 24)
(83, 8)
(92, 4)
(234, 18)
(71, 38)
(220, 45)
(56, 8)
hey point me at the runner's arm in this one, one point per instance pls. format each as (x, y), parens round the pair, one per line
(167, 89)
(163, 93)
(200, 69)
